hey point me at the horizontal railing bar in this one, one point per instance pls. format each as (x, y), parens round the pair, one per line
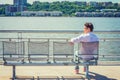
(109, 39)
(55, 31)
(37, 31)
(37, 38)
(104, 56)
(101, 39)
(109, 56)
(62, 54)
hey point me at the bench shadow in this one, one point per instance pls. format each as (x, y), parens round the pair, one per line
(97, 76)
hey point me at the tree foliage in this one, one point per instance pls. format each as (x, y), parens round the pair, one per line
(68, 8)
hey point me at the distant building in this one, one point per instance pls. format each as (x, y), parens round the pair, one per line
(108, 10)
(107, 3)
(20, 2)
(97, 14)
(18, 6)
(41, 13)
(2, 5)
(79, 14)
(56, 13)
(81, 3)
(10, 10)
(94, 4)
(117, 14)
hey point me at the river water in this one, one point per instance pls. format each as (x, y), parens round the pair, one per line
(59, 23)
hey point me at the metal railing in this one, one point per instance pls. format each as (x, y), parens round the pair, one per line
(108, 49)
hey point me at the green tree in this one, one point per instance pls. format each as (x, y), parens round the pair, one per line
(18, 14)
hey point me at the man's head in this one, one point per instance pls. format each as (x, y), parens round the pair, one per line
(88, 27)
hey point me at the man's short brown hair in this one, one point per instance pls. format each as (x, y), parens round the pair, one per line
(89, 25)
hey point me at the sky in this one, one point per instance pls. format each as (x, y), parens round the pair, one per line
(31, 1)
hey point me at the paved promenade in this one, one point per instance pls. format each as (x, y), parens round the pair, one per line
(96, 72)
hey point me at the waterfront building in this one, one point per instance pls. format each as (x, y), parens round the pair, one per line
(117, 14)
(56, 13)
(107, 3)
(97, 14)
(108, 10)
(94, 4)
(2, 5)
(20, 2)
(41, 13)
(81, 3)
(108, 14)
(10, 10)
(18, 6)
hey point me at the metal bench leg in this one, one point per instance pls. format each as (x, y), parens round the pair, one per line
(38, 78)
(14, 72)
(77, 69)
(86, 70)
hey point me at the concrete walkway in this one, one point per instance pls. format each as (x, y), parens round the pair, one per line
(96, 72)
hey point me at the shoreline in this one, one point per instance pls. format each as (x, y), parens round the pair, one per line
(61, 16)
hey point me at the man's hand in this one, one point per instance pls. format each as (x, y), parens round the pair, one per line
(71, 43)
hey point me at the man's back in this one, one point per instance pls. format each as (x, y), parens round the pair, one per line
(89, 50)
